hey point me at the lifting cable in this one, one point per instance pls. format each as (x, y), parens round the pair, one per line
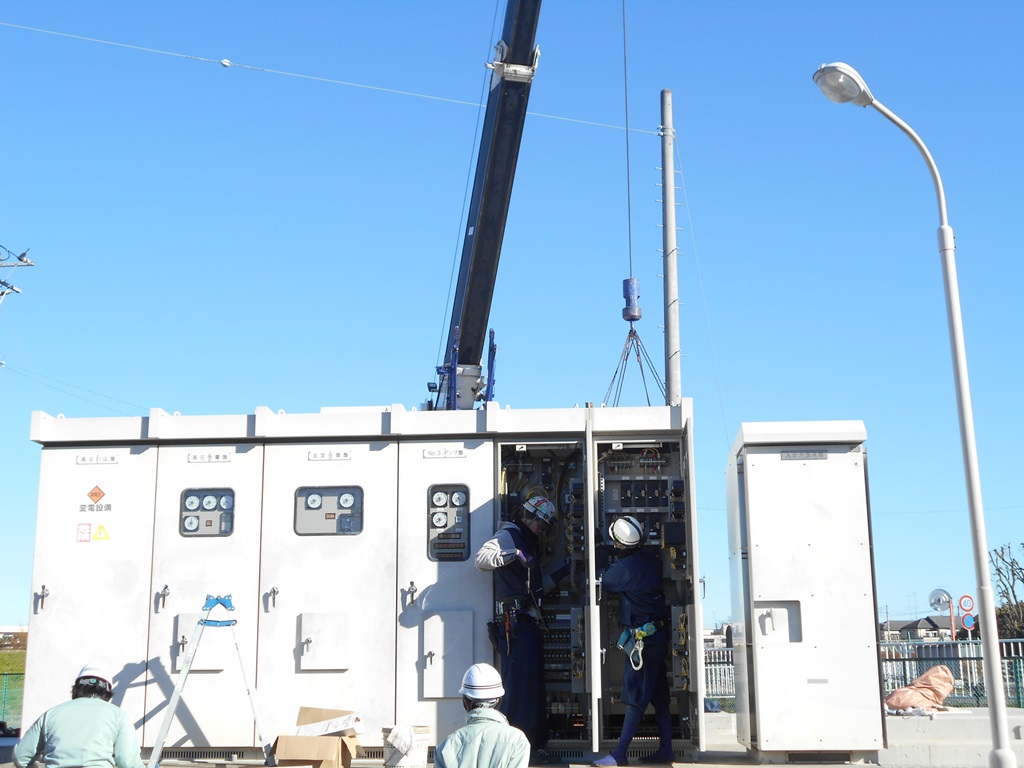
(631, 286)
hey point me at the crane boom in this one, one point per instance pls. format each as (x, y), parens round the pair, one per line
(513, 68)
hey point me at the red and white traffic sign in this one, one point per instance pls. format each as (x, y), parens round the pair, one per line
(968, 621)
(966, 603)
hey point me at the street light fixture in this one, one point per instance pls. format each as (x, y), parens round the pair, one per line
(841, 83)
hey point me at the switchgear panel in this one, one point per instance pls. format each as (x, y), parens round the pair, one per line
(425, 477)
(448, 522)
(648, 481)
(557, 471)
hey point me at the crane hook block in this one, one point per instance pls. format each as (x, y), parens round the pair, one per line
(631, 293)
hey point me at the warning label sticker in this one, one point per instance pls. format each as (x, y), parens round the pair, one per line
(87, 533)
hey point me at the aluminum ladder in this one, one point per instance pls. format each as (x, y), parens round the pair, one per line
(193, 646)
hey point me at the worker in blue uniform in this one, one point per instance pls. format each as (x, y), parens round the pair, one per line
(636, 576)
(513, 556)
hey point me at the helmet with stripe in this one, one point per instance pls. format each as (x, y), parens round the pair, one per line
(482, 682)
(541, 508)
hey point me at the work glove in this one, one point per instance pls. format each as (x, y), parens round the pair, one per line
(526, 558)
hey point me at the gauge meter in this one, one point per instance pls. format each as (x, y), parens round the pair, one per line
(346, 500)
(191, 502)
(314, 500)
(227, 501)
(440, 498)
(191, 522)
(459, 499)
(439, 519)
(209, 502)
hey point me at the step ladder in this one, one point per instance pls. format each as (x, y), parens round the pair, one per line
(193, 646)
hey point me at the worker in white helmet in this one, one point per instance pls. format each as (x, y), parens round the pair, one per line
(636, 577)
(487, 740)
(513, 556)
(86, 732)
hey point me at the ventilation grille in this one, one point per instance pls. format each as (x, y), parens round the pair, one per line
(818, 757)
(377, 753)
(199, 753)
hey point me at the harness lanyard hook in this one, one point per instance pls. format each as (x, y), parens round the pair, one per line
(636, 656)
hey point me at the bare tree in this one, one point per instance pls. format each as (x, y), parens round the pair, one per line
(1009, 588)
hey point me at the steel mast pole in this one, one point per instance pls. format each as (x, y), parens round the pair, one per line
(673, 388)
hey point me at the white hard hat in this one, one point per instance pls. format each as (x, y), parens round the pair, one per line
(482, 682)
(626, 530)
(97, 671)
(541, 508)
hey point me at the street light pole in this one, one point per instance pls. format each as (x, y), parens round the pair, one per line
(842, 83)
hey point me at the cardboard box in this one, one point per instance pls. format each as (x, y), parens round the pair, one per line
(320, 751)
(313, 721)
(416, 757)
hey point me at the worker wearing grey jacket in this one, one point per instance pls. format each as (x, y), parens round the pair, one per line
(487, 740)
(86, 732)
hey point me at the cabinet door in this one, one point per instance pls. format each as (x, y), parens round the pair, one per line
(206, 543)
(446, 498)
(811, 598)
(327, 583)
(91, 588)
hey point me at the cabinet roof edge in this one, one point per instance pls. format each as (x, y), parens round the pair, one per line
(798, 432)
(350, 423)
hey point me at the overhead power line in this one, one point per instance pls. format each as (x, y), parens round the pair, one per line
(227, 63)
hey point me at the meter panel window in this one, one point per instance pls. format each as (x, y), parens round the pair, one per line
(207, 512)
(448, 523)
(329, 511)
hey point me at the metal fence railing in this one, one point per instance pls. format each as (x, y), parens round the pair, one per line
(12, 685)
(719, 677)
(902, 663)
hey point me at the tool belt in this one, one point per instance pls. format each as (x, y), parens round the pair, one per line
(507, 615)
(512, 605)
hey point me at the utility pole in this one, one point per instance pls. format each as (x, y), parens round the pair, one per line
(21, 260)
(673, 388)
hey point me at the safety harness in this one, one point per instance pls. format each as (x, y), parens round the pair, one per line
(633, 645)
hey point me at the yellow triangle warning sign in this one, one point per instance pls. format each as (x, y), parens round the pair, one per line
(101, 534)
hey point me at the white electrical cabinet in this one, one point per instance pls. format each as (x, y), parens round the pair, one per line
(93, 532)
(805, 643)
(344, 542)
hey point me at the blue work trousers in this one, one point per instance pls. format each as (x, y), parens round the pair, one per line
(522, 671)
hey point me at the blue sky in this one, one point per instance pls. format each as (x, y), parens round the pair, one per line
(213, 239)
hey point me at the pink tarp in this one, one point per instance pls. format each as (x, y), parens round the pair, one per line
(927, 692)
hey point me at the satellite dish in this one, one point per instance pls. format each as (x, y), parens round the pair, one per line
(939, 599)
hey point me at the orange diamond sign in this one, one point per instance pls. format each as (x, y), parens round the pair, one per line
(96, 494)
